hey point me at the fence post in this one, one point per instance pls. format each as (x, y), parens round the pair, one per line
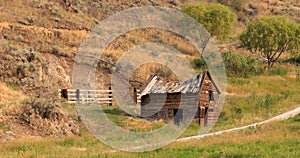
(110, 96)
(77, 95)
(135, 95)
(64, 94)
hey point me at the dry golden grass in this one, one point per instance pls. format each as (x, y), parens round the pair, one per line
(288, 8)
(140, 124)
(125, 43)
(41, 38)
(10, 97)
(136, 37)
(44, 13)
(42, 25)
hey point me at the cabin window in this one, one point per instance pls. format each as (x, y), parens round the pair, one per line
(211, 96)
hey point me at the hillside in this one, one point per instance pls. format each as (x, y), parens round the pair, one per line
(39, 40)
(55, 29)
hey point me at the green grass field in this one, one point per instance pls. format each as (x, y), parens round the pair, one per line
(279, 139)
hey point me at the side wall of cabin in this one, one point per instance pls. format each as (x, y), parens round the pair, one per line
(208, 110)
(167, 106)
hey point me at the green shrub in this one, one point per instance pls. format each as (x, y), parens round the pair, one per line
(238, 65)
(218, 19)
(199, 64)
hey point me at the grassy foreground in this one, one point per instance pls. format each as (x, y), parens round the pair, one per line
(278, 139)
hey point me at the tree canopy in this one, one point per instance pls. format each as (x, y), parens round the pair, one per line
(271, 36)
(218, 19)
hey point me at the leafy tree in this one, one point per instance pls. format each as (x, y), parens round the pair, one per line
(271, 36)
(218, 19)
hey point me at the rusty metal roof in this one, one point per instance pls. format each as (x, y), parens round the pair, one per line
(156, 85)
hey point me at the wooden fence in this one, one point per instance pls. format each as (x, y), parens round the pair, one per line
(91, 96)
(87, 96)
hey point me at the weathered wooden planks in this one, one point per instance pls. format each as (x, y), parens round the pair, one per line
(87, 96)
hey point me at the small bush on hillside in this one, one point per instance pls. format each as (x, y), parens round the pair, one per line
(199, 64)
(238, 65)
(47, 117)
(41, 107)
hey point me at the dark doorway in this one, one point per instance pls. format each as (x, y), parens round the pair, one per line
(205, 116)
(198, 115)
(178, 116)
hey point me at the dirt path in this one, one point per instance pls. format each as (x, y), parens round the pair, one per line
(283, 116)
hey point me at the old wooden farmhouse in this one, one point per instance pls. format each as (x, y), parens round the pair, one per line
(162, 100)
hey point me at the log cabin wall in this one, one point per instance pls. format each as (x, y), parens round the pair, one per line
(165, 106)
(208, 106)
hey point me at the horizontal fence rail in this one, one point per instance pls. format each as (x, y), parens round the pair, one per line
(87, 96)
